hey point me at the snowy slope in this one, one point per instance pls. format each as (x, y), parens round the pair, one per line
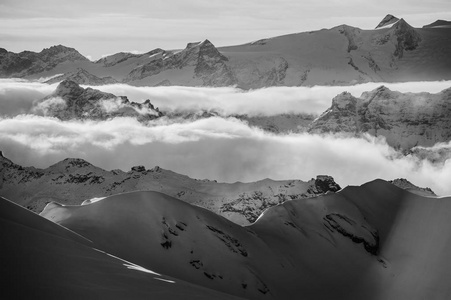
(366, 242)
(341, 55)
(42, 260)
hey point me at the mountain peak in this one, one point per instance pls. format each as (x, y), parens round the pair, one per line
(387, 20)
(204, 43)
(62, 51)
(407, 37)
(408, 186)
(68, 87)
(381, 92)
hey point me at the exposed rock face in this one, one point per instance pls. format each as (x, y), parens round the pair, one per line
(252, 204)
(70, 101)
(387, 20)
(28, 63)
(75, 181)
(81, 76)
(404, 119)
(406, 36)
(325, 184)
(408, 186)
(209, 65)
(349, 228)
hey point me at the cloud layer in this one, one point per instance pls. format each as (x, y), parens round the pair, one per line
(224, 149)
(17, 96)
(216, 148)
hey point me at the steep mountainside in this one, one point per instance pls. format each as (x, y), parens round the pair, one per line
(72, 181)
(405, 119)
(46, 261)
(202, 61)
(387, 21)
(365, 242)
(70, 101)
(393, 52)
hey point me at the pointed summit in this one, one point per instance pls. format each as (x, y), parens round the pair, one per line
(386, 21)
(60, 53)
(407, 37)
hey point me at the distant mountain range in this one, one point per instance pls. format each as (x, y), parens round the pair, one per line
(393, 52)
(75, 181)
(406, 120)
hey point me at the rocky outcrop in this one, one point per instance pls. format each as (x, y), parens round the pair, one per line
(252, 204)
(209, 65)
(406, 120)
(407, 38)
(387, 20)
(407, 185)
(357, 233)
(70, 101)
(81, 76)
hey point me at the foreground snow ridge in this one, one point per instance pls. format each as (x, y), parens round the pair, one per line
(292, 248)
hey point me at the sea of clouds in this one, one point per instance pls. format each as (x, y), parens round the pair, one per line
(221, 148)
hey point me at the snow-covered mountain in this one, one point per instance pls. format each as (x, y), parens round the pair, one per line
(387, 21)
(81, 76)
(409, 186)
(405, 119)
(70, 101)
(439, 24)
(364, 242)
(201, 63)
(46, 261)
(75, 181)
(28, 63)
(393, 52)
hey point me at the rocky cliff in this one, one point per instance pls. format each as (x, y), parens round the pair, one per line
(70, 101)
(406, 120)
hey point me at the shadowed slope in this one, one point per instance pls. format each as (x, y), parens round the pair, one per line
(301, 246)
(361, 243)
(40, 259)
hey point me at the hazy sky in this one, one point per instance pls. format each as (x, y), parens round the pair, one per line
(100, 27)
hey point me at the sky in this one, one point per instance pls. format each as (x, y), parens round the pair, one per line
(101, 27)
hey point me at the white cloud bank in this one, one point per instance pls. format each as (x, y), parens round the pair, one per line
(266, 101)
(215, 148)
(16, 96)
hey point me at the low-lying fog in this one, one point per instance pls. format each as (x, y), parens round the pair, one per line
(220, 148)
